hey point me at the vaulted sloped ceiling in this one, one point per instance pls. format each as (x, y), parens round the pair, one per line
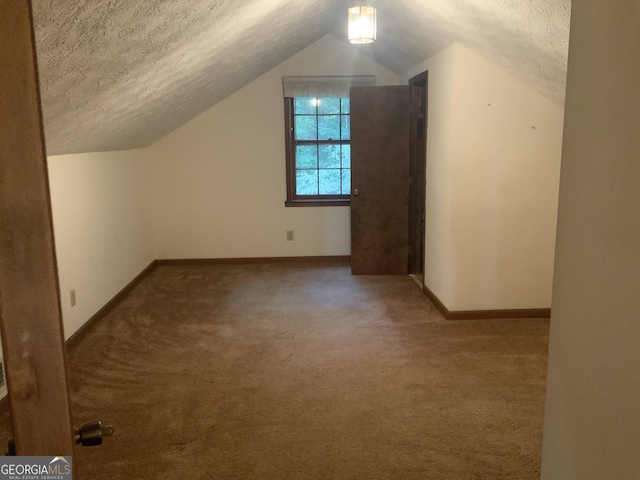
(120, 74)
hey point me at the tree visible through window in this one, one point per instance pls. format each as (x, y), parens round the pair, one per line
(318, 151)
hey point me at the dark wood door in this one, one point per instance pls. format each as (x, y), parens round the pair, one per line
(417, 174)
(29, 302)
(380, 121)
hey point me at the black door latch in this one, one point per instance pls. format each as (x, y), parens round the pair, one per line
(91, 434)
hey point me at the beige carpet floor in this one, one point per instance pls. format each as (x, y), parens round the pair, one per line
(305, 372)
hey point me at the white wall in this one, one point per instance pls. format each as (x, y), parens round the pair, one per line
(101, 228)
(218, 182)
(493, 163)
(592, 419)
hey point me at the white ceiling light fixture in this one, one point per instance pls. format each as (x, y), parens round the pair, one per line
(362, 24)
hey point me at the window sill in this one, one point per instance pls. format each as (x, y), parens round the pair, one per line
(318, 203)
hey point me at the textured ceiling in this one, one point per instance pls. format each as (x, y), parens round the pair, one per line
(119, 74)
(527, 38)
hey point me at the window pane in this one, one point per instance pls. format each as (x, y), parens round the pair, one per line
(306, 156)
(346, 105)
(329, 156)
(346, 127)
(306, 128)
(306, 182)
(346, 182)
(322, 162)
(328, 127)
(329, 106)
(329, 182)
(305, 105)
(346, 156)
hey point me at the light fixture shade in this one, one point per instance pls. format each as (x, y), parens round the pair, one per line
(362, 25)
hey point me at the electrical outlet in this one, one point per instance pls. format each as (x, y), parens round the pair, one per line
(72, 295)
(289, 235)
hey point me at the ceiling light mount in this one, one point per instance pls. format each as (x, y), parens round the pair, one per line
(362, 24)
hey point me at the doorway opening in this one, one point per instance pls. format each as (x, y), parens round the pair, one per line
(417, 174)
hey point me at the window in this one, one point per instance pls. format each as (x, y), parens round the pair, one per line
(318, 151)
